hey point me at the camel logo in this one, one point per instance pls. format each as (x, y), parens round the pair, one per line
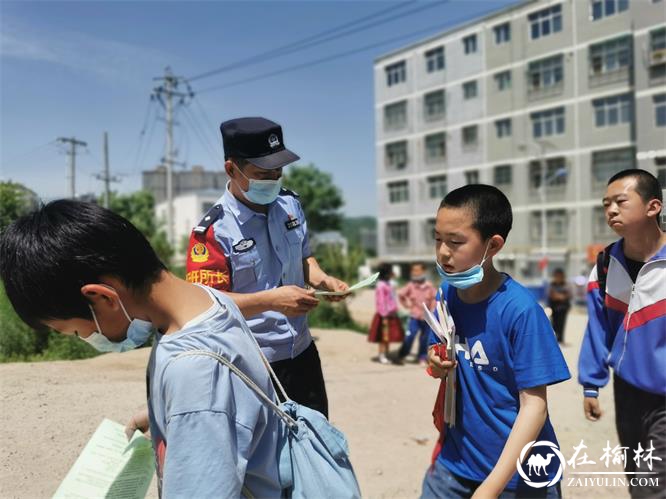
(537, 464)
(476, 353)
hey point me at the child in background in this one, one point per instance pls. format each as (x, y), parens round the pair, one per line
(418, 292)
(386, 326)
(559, 301)
(506, 356)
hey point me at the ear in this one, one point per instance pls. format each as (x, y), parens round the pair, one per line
(495, 244)
(654, 207)
(101, 296)
(229, 168)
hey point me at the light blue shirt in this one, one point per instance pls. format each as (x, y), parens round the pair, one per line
(265, 251)
(212, 435)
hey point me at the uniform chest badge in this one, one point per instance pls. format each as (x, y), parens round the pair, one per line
(244, 245)
(199, 253)
(292, 223)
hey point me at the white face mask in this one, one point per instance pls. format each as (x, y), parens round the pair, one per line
(138, 333)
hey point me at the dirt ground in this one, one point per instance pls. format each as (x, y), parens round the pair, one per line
(50, 409)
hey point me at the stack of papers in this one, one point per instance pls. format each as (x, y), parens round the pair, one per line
(110, 467)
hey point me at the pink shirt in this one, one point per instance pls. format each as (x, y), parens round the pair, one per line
(385, 299)
(415, 294)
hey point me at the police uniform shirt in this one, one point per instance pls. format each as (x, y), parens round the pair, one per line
(237, 249)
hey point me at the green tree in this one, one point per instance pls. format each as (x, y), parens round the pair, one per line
(139, 208)
(320, 197)
(14, 202)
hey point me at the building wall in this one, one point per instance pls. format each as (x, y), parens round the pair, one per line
(576, 203)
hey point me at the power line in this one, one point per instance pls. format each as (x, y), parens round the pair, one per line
(196, 127)
(299, 45)
(332, 57)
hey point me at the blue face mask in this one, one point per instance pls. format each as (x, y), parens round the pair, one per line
(465, 279)
(262, 191)
(137, 334)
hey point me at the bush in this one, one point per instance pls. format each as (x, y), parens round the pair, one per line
(333, 316)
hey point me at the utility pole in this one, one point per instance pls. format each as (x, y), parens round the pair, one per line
(73, 143)
(105, 176)
(165, 94)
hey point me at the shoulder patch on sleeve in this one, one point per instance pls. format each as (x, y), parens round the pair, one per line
(209, 218)
(287, 192)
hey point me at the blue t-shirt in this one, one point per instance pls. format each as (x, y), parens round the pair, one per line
(504, 344)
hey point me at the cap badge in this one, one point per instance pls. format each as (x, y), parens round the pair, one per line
(273, 140)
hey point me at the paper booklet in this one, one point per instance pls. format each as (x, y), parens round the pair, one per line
(110, 466)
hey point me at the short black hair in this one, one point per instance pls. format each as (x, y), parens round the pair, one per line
(417, 264)
(491, 208)
(385, 271)
(647, 185)
(47, 255)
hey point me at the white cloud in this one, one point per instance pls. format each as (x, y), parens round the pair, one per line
(107, 59)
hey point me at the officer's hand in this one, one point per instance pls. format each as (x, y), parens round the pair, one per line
(138, 422)
(439, 367)
(333, 284)
(592, 408)
(293, 301)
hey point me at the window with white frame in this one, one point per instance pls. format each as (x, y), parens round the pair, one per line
(470, 136)
(607, 163)
(435, 147)
(546, 123)
(396, 155)
(503, 128)
(469, 43)
(557, 225)
(470, 90)
(611, 111)
(605, 8)
(545, 22)
(502, 33)
(398, 192)
(503, 80)
(435, 59)
(396, 73)
(429, 227)
(545, 73)
(502, 175)
(437, 187)
(472, 177)
(434, 105)
(395, 116)
(600, 226)
(657, 55)
(556, 173)
(659, 101)
(610, 56)
(397, 233)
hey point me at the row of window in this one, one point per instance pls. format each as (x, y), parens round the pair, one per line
(608, 111)
(397, 233)
(604, 164)
(607, 57)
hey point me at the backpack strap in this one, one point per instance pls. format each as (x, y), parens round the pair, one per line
(603, 261)
(248, 381)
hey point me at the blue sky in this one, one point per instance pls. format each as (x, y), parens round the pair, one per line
(82, 68)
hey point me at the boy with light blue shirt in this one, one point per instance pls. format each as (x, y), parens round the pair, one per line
(506, 356)
(85, 271)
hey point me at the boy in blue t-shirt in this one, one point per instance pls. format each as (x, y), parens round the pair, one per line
(506, 356)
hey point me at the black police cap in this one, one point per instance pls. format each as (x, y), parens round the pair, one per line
(256, 140)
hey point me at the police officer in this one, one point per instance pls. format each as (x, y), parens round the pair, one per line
(253, 244)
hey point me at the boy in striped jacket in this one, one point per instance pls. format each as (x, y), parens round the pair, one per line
(627, 326)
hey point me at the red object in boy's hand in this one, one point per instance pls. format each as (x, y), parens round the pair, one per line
(440, 349)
